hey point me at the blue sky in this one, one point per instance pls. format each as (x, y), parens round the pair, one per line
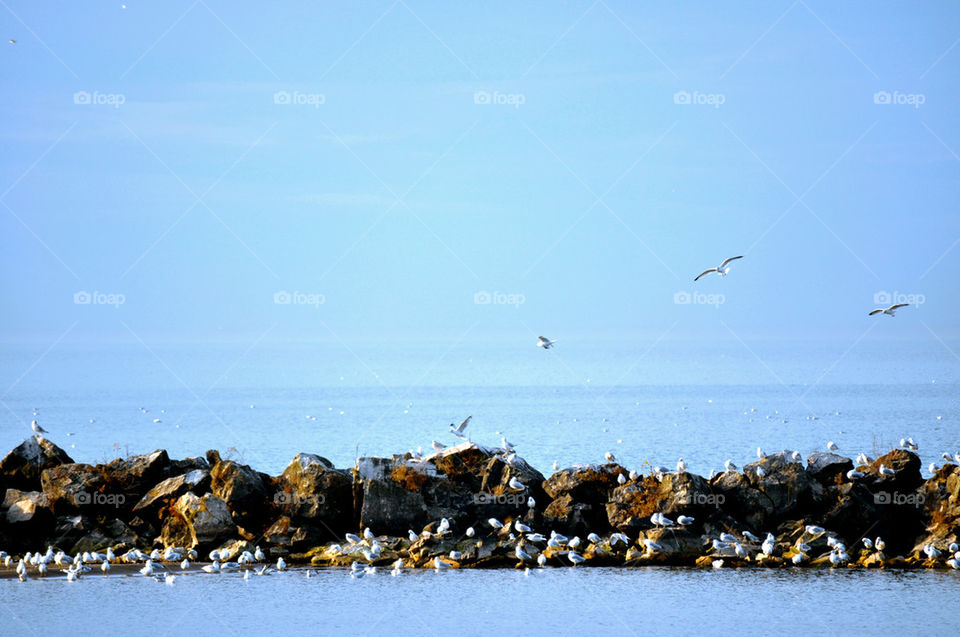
(391, 162)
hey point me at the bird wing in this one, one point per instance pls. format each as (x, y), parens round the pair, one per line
(898, 306)
(543, 339)
(464, 424)
(705, 272)
(875, 312)
(726, 261)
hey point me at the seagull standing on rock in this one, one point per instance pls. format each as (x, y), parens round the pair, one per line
(722, 270)
(37, 428)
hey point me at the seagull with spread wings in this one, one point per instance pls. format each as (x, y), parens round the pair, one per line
(458, 430)
(722, 270)
(544, 342)
(892, 310)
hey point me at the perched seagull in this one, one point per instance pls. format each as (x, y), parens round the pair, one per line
(832, 446)
(37, 428)
(729, 466)
(681, 466)
(853, 474)
(544, 342)
(886, 471)
(458, 431)
(437, 446)
(621, 479)
(609, 457)
(685, 520)
(516, 485)
(892, 310)
(722, 270)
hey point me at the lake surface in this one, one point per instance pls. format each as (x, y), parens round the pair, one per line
(567, 601)
(647, 401)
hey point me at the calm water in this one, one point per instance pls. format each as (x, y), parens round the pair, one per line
(647, 401)
(553, 601)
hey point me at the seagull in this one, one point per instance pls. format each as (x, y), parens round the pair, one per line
(531, 503)
(681, 466)
(281, 565)
(458, 431)
(575, 558)
(892, 310)
(685, 520)
(437, 446)
(797, 457)
(521, 554)
(886, 471)
(832, 446)
(621, 479)
(609, 457)
(760, 453)
(722, 270)
(729, 466)
(853, 474)
(516, 485)
(37, 428)
(544, 342)
(495, 523)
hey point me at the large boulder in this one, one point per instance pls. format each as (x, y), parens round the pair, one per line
(21, 468)
(312, 492)
(243, 490)
(825, 467)
(784, 491)
(135, 475)
(198, 522)
(579, 496)
(631, 505)
(906, 478)
(71, 488)
(940, 498)
(170, 490)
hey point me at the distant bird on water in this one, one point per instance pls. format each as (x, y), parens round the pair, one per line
(722, 269)
(37, 428)
(458, 430)
(544, 342)
(891, 311)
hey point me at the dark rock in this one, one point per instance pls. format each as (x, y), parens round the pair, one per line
(786, 491)
(631, 505)
(284, 534)
(825, 467)
(906, 466)
(213, 457)
(180, 467)
(242, 489)
(579, 496)
(21, 468)
(311, 491)
(134, 476)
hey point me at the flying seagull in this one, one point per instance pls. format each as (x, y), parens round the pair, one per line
(544, 342)
(722, 270)
(458, 431)
(892, 310)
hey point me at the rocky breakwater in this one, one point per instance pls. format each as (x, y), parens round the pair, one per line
(474, 506)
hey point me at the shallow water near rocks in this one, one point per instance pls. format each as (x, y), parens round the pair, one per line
(561, 601)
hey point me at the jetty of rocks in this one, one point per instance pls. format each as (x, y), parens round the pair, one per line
(472, 506)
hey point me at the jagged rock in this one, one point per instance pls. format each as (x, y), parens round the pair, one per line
(393, 494)
(198, 522)
(785, 491)
(579, 495)
(71, 488)
(134, 476)
(940, 500)
(179, 467)
(906, 466)
(283, 533)
(25, 506)
(242, 489)
(311, 491)
(632, 504)
(21, 468)
(825, 467)
(171, 489)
